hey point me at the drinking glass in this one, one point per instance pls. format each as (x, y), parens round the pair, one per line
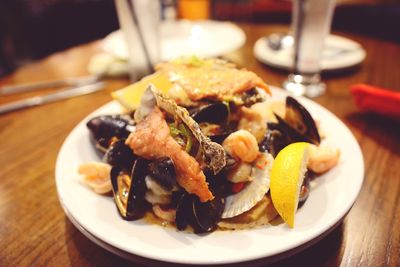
(312, 21)
(140, 23)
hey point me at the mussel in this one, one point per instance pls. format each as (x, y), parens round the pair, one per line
(106, 129)
(129, 189)
(304, 189)
(251, 97)
(163, 171)
(120, 155)
(300, 119)
(275, 140)
(296, 126)
(202, 216)
(215, 113)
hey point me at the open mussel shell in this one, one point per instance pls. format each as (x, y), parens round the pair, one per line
(300, 119)
(107, 128)
(274, 141)
(202, 216)
(207, 214)
(184, 211)
(279, 135)
(163, 171)
(217, 113)
(129, 189)
(120, 155)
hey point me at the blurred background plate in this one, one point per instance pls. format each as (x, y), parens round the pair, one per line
(205, 38)
(340, 53)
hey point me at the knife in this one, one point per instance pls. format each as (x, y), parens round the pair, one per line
(52, 97)
(74, 81)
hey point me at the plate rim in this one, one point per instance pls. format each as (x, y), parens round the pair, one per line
(345, 210)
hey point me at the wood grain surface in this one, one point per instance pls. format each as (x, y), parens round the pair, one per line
(34, 231)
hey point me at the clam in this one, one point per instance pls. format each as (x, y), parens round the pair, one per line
(254, 191)
(106, 129)
(129, 189)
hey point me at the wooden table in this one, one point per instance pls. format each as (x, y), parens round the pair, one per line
(34, 230)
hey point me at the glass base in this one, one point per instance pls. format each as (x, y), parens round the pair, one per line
(304, 85)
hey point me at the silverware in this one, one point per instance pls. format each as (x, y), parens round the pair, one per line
(52, 97)
(75, 81)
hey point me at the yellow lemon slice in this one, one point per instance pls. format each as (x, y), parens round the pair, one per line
(130, 96)
(287, 176)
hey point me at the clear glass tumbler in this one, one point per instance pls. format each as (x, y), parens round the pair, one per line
(312, 21)
(140, 23)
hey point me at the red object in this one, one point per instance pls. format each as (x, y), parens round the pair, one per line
(237, 187)
(376, 99)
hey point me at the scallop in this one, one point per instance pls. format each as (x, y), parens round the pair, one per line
(253, 192)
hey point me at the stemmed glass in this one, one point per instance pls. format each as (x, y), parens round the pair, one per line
(311, 20)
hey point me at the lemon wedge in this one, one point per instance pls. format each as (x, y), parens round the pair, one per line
(130, 96)
(287, 176)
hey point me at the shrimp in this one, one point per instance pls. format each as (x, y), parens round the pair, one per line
(322, 158)
(96, 176)
(253, 122)
(152, 140)
(241, 144)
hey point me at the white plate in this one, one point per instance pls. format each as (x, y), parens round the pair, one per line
(340, 53)
(331, 198)
(182, 37)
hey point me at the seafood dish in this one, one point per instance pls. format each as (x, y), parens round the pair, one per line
(199, 155)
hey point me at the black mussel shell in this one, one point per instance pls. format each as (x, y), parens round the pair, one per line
(120, 155)
(184, 211)
(251, 97)
(104, 129)
(163, 170)
(207, 214)
(202, 216)
(217, 133)
(217, 113)
(304, 189)
(129, 190)
(300, 119)
(284, 127)
(277, 137)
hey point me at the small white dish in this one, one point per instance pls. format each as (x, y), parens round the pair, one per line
(332, 195)
(340, 53)
(205, 38)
